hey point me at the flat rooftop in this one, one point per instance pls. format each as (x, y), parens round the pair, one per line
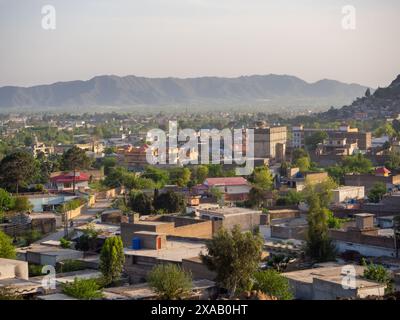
(344, 188)
(144, 291)
(46, 249)
(174, 251)
(331, 273)
(67, 277)
(289, 222)
(229, 211)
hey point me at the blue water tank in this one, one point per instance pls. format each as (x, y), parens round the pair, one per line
(136, 243)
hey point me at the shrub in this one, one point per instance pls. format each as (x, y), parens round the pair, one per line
(85, 289)
(273, 283)
(35, 270)
(31, 236)
(7, 250)
(378, 273)
(66, 244)
(170, 281)
(112, 259)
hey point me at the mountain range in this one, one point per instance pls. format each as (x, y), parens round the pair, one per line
(384, 102)
(131, 91)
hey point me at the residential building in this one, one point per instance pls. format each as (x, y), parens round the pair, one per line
(233, 188)
(381, 175)
(364, 237)
(228, 217)
(65, 181)
(331, 281)
(347, 193)
(14, 276)
(270, 142)
(352, 135)
(336, 147)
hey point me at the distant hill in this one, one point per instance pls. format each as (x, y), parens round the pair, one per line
(384, 102)
(131, 91)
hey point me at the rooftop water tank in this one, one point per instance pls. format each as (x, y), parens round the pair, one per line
(136, 243)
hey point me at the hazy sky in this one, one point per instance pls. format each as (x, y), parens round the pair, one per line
(190, 38)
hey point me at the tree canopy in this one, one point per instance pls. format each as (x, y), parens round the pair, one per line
(17, 169)
(170, 281)
(235, 257)
(7, 249)
(112, 259)
(273, 283)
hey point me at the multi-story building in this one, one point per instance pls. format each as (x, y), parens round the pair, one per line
(270, 142)
(352, 135)
(337, 147)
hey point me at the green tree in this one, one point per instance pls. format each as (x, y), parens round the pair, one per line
(357, 164)
(140, 202)
(170, 281)
(75, 159)
(317, 137)
(377, 192)
(159, 176)
(235, 257)
(385, 130)
(180, 176)
(17, 169)
(299, 153)
(169, 202)
(378, 273)
(322, 189)
(84, 289)
(256, 196)
(303, 164)
(393, 163)
(7, 250)
(217, 193)
(273, 283)
(318, 244)
(262, 178)
(7, 201)
(112, 259)
(333, 222)
(201, 173)
(22, 204)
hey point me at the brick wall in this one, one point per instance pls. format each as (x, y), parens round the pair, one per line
(358, 237)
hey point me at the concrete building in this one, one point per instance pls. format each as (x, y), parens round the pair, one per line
(133, 158)
(233, 188)
(285, 228)
(47, 255)
(228, 217)
(336, 147)
(201, 289)
(346, 193)
(352, 135)
(47, 201)
(138, 263)
(369, 180)
(270, 142)
(330, 282)
(299, 180)
(363, 237)
(64, 182)
(14, 276)
(167, 225)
